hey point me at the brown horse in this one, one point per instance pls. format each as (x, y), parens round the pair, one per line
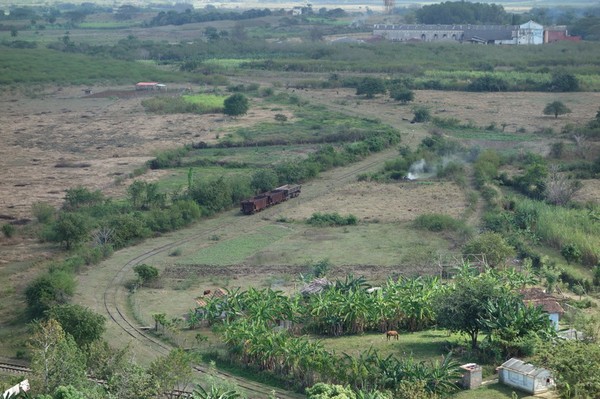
(392, 333)
(206, 292)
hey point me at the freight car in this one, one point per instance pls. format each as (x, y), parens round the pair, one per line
(270, 198)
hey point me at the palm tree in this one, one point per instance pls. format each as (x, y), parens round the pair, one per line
(214, 393)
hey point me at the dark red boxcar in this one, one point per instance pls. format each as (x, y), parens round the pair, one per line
(255, 204)
(275, 197)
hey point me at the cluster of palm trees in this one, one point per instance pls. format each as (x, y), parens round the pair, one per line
(352, 307)
(250, 325)
(304, 362)
(346, 307)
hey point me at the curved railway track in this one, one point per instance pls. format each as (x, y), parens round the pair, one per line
(118, 316)
(114, 292)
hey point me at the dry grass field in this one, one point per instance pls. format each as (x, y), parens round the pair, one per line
(64, 139)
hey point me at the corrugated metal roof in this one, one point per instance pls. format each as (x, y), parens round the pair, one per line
(315, 286)
(519, 366)
(489, 33)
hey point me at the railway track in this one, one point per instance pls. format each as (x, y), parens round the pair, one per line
(114, 293)
(14, 368)
(111, 304)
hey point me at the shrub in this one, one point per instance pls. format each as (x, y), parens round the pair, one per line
(70, 229)
(403, 95)
(421, 114)
(235, 105)
(492, 246)
(488, 83)
(177, 105)
(8, 230)
(563, 81)
(145, 273)
(439, 222)
(331, 219)
(168, 158)
(176, 252)
(128, 228)
(571, 253)
(43, 212)
(80, 196)
(51, 289)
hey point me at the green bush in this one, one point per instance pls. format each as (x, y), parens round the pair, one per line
(492, 246)
(8, 230)
(571, 253)
(331, 219)
(53, 288)
(177, 105)
(145, 273)
(169, 158)
(421, 114)
(43, 212)
(128, 228)
(488, 83)
(79, 197)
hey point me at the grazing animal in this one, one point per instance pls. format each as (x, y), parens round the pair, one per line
(206, 292)
(391, 334)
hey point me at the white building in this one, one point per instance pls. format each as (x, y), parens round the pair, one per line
(525, 377)
(530, 33)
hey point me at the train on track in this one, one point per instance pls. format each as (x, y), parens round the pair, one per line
(270, 198)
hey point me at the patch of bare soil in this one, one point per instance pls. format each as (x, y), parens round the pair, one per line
(590, 192)
(67, 138)
(386, 202)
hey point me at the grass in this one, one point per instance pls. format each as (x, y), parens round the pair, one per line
(236, 250)
(423, 345)
(178, 178)
(493, 390)
(255, 156)
(209, 101)
(557, 226)
(365, 244)
(490, 135)
(24, 66)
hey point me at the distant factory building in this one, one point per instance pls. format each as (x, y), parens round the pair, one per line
(529, 33)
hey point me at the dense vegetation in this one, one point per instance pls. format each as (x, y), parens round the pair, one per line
(529, 215)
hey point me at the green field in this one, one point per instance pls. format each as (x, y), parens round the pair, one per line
(209, 101)
(298, 244)
(237, 250)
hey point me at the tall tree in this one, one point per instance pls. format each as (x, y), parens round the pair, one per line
(55, 358)
(556, 108)
(463, 307)
(370, 86)
(236, 104)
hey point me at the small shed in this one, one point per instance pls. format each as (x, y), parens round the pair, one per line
(525, 377)
(146, 86)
